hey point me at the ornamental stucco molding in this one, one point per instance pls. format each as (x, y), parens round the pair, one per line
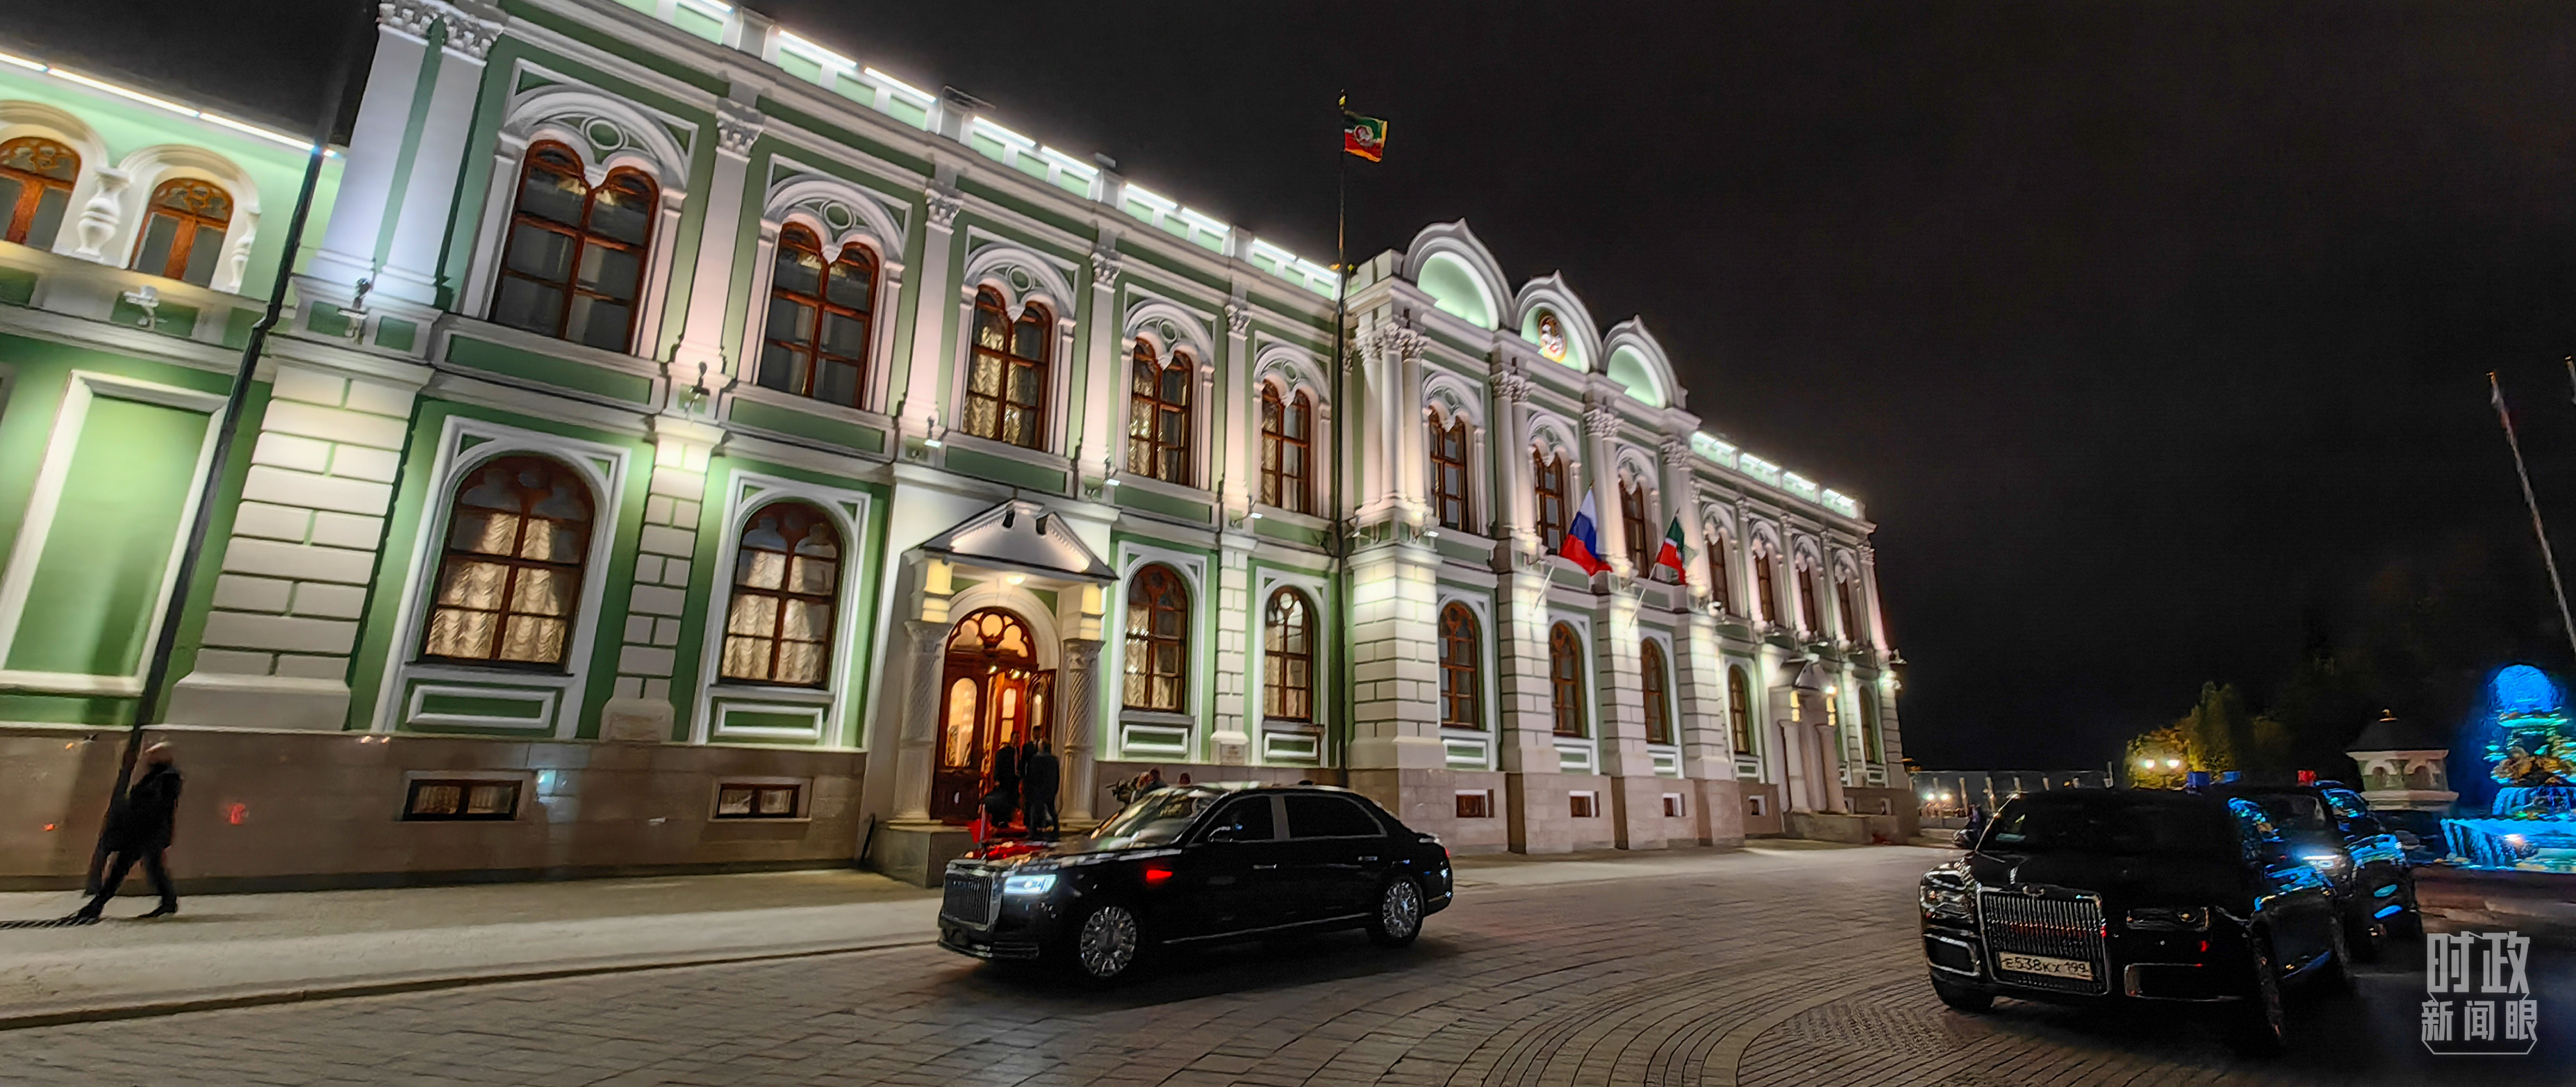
(737, 125)
(1601, 420)
(944, 205)
(1106, 266)
(1238, 319)
(472, 26)
(1394, 341)
(1514, 386)
(1674, 449)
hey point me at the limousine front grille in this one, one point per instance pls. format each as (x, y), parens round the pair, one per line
(969, 898)
(2058, 928)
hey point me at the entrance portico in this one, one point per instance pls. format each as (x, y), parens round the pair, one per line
(1003, 613)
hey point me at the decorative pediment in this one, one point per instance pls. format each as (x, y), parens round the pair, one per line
(1020, 535)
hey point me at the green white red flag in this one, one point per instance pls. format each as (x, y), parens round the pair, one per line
(1675, 552)
(1364, 136)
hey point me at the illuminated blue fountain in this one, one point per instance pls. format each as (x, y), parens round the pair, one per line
(2531, 754)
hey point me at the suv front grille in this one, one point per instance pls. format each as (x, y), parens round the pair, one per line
(969, 898)
(2061, 928)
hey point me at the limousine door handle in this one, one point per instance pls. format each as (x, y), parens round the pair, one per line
(1261, 867)
(1367, 860)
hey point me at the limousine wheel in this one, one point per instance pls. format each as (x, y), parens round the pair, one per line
(1399, 913)
(1105, 947)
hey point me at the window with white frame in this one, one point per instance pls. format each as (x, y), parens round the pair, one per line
(36, 178)
(786, 591)
(1158, 416)
(815, 341)
(1158, 639)
(1006, 382)
(1288, 658)
(573, 265)
(509, 579)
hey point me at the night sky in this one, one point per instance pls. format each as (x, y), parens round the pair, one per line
(2149, 334)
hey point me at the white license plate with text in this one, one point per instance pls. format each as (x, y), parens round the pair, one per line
(2047, 966)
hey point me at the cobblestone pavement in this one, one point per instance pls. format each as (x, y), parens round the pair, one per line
(1801, 969)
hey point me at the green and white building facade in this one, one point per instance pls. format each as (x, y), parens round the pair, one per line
(688, 447)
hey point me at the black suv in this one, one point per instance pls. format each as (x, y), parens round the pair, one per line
(2085, 896)
(1199, 864)
(2332, 829)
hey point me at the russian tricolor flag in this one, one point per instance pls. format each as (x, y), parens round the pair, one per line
(1582, 543)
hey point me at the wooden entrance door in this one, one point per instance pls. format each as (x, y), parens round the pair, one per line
(987, 700)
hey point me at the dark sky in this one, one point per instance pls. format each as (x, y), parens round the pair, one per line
(2147, 332)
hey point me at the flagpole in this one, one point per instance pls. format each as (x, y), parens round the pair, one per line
(2547, 557)
(1337, 546)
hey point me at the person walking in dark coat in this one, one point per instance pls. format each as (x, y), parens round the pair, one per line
(1006, 780)
(138, 829)
(1038, 777)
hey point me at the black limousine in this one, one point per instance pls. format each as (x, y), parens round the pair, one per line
(1198, 864)
(2104, 895)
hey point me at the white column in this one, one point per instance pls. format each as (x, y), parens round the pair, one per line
(1515, 494)
(1394, 654)
(1077, 724)
(1700, 681)
(1527, 726)
(1237, 620)
(1680, 499)
(1102, 371)
(303, 552)
(421, 227)
(700, 356)
(1600, 424)
(920, 406)
(1235, 453)
(365, 201)
(1619, 690)
(921, 721)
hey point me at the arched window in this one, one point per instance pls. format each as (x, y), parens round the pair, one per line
(815, 343)
(1006, 387)
(1633, 523)
(786, 583)
(1766, 585)
(1739, 709)
(1659, 711)
(1565, 679)
(1287, 445)
(509, 581)
(1462, 681)
(184, 234)
(1809, 584)
(1870, 751)
(1548, 469)
(1847, 601)
(574, 265)
(1158, 636)
(1449, 471)
(1158, 417)
(1721, 572)
(1288, 661)
(36, 176)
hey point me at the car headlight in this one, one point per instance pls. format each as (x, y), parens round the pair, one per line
(1028, 885)
(1949, 902)
(2328, 863)
(2170, 918)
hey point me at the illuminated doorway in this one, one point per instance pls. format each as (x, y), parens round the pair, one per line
(992, 694)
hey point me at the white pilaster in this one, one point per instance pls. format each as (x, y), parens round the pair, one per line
(700, 356)
(920, 407)
(642, 708)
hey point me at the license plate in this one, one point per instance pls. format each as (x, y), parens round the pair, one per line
(2046, 966)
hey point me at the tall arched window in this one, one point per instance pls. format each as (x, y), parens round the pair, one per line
(815, 343)
(574, 265)
(509, 580)
(1288, 658)
(1565, 679)
(1158, 417)
(1287, 446)
(786, 584)
(1449, 471)
(1158, 635)
(1462, 682)
(184, 234)
(1006, 386)
(1548, 470)
(1659, 711)
(1847, 601)
(1721, 572)
(1633, 522)
(1809, 584)
(1870, 751)
(1766, 585)
(1739, 709)
(36, 176)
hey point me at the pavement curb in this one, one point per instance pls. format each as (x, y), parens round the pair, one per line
(156, 1008)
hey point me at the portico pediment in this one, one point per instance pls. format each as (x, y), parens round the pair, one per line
(1020, 535)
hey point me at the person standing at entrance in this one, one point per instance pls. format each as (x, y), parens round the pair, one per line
(138, 829)
(1006, 780)
(1038, 780)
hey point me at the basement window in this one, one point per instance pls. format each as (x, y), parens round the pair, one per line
(1673, 808)
(743, 801)
(1478, 804)
(1584, 805)
(457, 800)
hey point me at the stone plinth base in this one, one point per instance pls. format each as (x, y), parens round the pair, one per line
(917, 853)
(1826, 826)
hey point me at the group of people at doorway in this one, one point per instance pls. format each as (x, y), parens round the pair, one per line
(1022, 794)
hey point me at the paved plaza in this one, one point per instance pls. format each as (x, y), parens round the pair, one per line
(1785, 966)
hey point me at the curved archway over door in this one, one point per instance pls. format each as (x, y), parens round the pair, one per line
(992, 695)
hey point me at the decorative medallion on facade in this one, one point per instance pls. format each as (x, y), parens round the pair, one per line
(1551, 337)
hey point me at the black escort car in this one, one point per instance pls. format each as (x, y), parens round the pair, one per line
(2087, 896)
(1196, 865)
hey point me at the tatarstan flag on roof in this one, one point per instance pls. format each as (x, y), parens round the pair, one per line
(1671, 553)
(1363, 136)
